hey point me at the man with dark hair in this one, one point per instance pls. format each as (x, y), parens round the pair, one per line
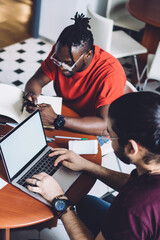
(134, 128)
(84, 75)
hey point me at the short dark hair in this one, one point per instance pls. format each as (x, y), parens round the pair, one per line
(137, 116)
(77, 34)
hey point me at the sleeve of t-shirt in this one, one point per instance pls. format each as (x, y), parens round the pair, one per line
(125, 226)
(111, 87)
(48, 67)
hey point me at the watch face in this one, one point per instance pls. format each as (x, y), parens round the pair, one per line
(59, 122)
(60, 205)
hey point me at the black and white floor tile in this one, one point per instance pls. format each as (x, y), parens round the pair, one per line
(18, 62)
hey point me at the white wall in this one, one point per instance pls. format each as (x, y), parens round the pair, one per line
(55, 14)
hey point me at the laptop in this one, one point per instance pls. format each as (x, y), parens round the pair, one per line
(24, 152)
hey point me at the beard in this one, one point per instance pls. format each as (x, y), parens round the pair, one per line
(70, 74)
(67, 73)
(121, 155)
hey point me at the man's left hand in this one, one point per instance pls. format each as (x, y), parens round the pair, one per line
(45, 185)
(47, 113)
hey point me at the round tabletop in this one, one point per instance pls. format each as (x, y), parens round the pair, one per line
(147, 11)
(17, 209)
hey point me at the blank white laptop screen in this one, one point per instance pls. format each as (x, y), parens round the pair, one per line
(23, 147)
(34, 144)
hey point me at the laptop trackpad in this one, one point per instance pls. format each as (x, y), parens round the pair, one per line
(66, 177)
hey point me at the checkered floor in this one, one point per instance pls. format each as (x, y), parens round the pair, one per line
(18, 62)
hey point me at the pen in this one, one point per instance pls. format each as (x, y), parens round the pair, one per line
(65, 137)
(2, 123)
(29, 102)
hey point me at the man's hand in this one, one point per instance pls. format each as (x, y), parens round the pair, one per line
(47, 113)
(69, 159)
(33, 98)
(45, 185)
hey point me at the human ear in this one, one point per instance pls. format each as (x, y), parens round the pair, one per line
(89, 54)
(88, 57)
(132, 148)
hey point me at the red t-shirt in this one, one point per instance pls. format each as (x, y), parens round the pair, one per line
(99, 84)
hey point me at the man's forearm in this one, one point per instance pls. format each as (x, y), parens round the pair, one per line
(37, 82)
(75, 228)
(33, 87)
(111, 178)
(88, 125)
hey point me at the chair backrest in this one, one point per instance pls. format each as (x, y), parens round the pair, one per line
(101, 28)
(154, 72)
(113, 4)
(129, 88)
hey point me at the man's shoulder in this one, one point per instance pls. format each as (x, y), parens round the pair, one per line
(102, 53)
(144, 189)
(102, 57)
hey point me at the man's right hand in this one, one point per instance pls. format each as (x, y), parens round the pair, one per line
(69, 159)
(33, 98)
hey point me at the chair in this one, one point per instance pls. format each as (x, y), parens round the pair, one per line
(117, 11)
(153, 66)
(129, 88)
(117, 43)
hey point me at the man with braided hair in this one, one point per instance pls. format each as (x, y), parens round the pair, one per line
(84, 75)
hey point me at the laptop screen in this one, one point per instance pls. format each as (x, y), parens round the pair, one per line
(23, 143)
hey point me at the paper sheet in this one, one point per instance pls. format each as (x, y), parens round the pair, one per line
(2, 183)
(84, 146)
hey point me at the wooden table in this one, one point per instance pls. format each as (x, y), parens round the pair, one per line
(18, 209)
(147, 11)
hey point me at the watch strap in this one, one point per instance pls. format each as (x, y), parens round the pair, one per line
(69, 208)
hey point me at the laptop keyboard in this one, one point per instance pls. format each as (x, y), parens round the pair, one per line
(45, 164)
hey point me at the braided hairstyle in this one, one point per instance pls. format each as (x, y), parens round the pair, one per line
(77, 34)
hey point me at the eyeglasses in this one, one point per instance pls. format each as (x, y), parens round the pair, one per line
(64, 65)
(110, 138)
(106, 139)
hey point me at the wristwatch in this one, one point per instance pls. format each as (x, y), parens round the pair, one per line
(60, 205)
(59, 122)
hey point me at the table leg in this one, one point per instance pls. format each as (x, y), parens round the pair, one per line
(151, 38)
(5, 234)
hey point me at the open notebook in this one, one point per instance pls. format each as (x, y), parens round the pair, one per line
(11, 101)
